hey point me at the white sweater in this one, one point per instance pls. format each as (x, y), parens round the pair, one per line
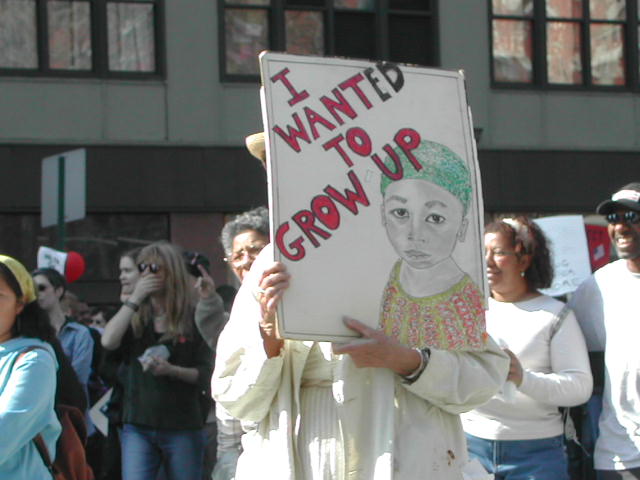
(555, 371)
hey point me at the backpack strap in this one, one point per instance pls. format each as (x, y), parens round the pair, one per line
(44, 454)
(570, 432)
(559, 320)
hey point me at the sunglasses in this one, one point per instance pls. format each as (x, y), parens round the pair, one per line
(153, 267)
(626, 217)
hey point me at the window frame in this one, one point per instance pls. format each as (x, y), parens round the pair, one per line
(539, 21)
(99, 46)
(276, 40)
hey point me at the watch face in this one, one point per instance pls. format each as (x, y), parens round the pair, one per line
(131, 305)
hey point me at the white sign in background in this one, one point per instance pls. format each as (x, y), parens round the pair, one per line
(569, 252)
(345, 273)
(51, 258)
(74, 188)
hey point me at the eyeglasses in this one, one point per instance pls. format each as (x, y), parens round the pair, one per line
(251, 251)
(498, 252)
(626, 217)
(153, 267)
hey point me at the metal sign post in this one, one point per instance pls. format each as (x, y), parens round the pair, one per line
(61, 221)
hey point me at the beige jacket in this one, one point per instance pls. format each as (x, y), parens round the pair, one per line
(391, 430)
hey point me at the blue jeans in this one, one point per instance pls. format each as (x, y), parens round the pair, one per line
(540, 459)
(145, 449)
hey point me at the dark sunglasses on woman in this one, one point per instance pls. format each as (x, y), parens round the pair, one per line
(153, 267)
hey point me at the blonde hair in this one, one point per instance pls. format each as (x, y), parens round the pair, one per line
(177, 292)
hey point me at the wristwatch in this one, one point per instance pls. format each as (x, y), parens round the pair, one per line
(425, 353)
(133, 306)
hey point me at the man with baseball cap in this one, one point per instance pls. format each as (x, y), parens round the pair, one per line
(607, 306)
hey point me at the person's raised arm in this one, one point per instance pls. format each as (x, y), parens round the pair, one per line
(117, 326)
(250, 357)
(210, 316)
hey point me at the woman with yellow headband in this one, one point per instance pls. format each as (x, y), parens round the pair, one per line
(27, 376)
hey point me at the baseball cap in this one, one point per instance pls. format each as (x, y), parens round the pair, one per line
(627, 197)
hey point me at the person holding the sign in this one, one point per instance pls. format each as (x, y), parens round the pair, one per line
(519, 433)
(372, 408)
(606, 307)
(242, 238)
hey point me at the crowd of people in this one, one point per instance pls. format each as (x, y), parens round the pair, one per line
(404, 403)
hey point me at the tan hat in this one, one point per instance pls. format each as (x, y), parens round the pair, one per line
(255, 145)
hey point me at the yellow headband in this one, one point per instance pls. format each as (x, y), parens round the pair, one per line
(22, 277)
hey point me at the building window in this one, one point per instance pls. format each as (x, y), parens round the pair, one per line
(395, 30)
(97, 38)
(565, 43)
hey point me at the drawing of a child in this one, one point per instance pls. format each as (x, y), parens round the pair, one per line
(428, 300)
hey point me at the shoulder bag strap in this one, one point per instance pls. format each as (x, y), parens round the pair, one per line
(44, 453)
(559, 320)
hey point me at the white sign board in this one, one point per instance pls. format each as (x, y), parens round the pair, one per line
(50, 258)
(98, 413)
(375, 199)
(74, 175)
(569, 252)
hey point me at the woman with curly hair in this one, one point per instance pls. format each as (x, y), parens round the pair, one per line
(518, 433)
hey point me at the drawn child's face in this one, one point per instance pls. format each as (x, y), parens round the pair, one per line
(423, 221)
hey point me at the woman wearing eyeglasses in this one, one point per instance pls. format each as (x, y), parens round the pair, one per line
(168, 367)
(519, 432)
(243, 238)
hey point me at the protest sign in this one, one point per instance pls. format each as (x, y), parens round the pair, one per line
(599, 246)
(98, 413)
(569, 252)
(375, 199)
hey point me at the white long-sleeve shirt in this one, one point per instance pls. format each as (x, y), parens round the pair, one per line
(606, 305)
(555, 366)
